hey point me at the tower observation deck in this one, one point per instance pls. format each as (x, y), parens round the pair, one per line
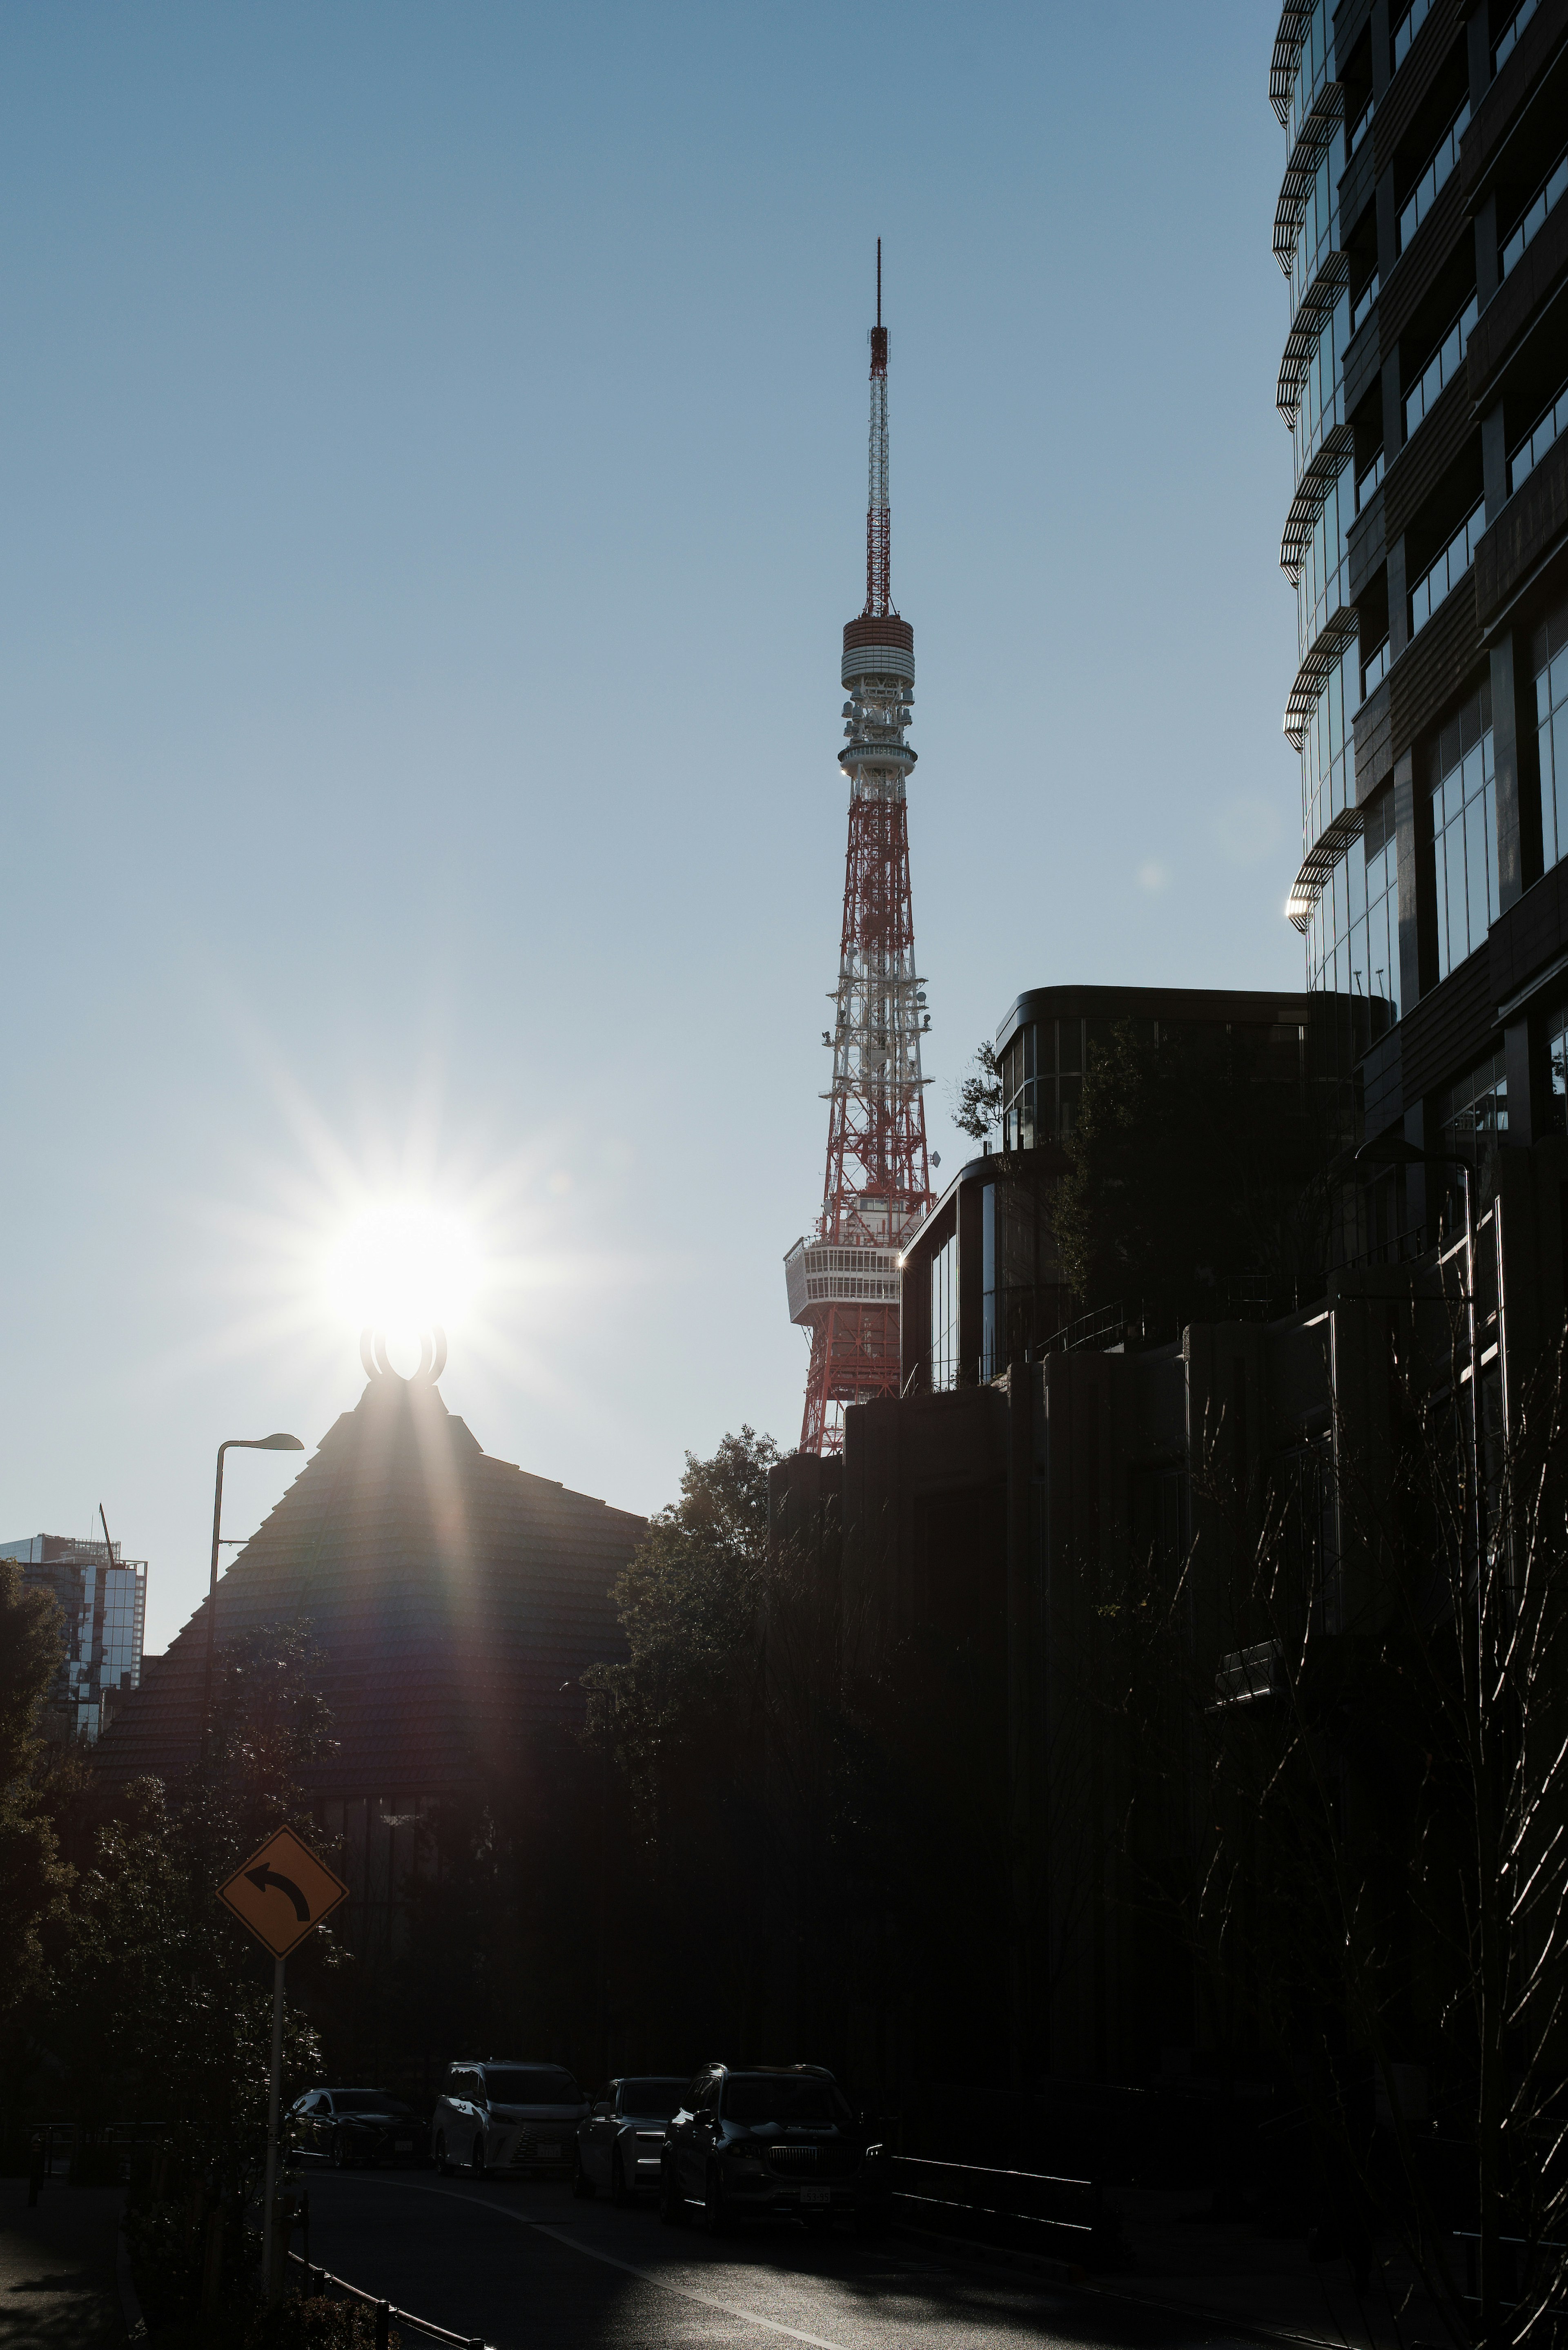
(843, 1282)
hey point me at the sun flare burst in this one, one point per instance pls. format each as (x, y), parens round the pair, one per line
(402, 1266)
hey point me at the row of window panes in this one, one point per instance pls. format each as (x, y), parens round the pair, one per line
(1406, 30)
(989, 1366)
(944, 1314)
(1319, 230)
(1314, 68)
(1474, 1108)
(1440, 369)
(1424, 194)
(1510, 32)
(1463, 806)
(1321, 586)
(1366, 487)
(1534, 213)
(1361, 126)
(1363, 301)
(1375, 668)
(1557, 1062)
(1538, 440)
(1353, 937)
(1042, 1078)
(1552, 734)
(1328, 750)
(1449, 569)
(1321, 405)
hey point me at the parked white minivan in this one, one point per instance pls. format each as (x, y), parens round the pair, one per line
(506, 2113)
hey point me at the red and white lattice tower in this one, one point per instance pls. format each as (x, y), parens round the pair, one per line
(843, 1282)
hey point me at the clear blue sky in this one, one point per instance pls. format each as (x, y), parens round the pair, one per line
(434, 488)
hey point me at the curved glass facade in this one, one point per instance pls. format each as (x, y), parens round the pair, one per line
(1352, 937)
(1318, 235)
(1328, 750)
(1321, 589)
(1315, 69)
(1322, 388)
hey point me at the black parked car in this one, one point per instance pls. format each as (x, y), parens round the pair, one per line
(771, 2138)
(351, 2126)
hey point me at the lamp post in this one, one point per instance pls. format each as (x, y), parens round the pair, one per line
(278, 1444)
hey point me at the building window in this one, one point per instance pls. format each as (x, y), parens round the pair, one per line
(989, 1366)
(1406, 30)
(1315, 61)
(1440, 369)
(1436, 585)
(1042, 1078)
(1321, 586)
(944, 1314)
(1533, 216)
(1328, 749)
(1442, 161)
(1352, 937)
(1474, 1108)
(1464, 832)
(1321, 405)
(1557, 1064)
(1551, 663)
(1319, 232)
(1552, 420)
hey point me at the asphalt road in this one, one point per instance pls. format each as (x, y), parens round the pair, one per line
(528, 2268)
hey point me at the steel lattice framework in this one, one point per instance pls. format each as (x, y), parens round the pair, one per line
(844, 1282)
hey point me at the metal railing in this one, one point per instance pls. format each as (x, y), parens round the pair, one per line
(1028, 2209)
(322, 2281)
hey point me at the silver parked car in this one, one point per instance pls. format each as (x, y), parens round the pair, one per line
(621, 2143)
(502, 2113)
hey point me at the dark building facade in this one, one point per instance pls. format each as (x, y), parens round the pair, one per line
(983, 1280)
(1424, 382)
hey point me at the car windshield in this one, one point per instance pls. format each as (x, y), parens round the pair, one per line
(533, 2085)
(661, 2101)
(365, 2101)
(786, 2097)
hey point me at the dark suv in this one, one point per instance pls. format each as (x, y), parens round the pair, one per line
(770, 2138)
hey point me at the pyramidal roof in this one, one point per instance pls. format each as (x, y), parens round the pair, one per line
(455, 1600)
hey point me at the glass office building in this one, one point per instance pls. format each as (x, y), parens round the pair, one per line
(102, 1599)
(1423, 237)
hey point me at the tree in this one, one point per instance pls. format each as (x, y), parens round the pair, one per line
(33, 1880)
(1185, 1172)
(689, 1606)
(977, 1099)
(160, 2003)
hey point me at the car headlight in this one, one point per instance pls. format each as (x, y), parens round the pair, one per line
(875, 2153)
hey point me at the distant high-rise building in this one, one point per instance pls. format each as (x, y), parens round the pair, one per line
(102, 1600)
(1423, 231)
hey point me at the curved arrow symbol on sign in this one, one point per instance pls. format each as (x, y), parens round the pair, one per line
(265, 1875)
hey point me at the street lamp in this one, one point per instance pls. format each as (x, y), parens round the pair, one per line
(279, 1443)
(1394, 1150)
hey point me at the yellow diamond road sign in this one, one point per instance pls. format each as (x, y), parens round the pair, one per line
(282, 1892)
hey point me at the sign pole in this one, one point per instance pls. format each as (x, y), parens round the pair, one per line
(269, 2210)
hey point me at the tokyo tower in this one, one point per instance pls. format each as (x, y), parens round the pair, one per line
(843, 1282)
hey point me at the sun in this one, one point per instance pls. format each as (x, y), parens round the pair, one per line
(402, 1266)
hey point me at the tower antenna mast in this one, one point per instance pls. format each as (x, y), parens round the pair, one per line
(845, 1281)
